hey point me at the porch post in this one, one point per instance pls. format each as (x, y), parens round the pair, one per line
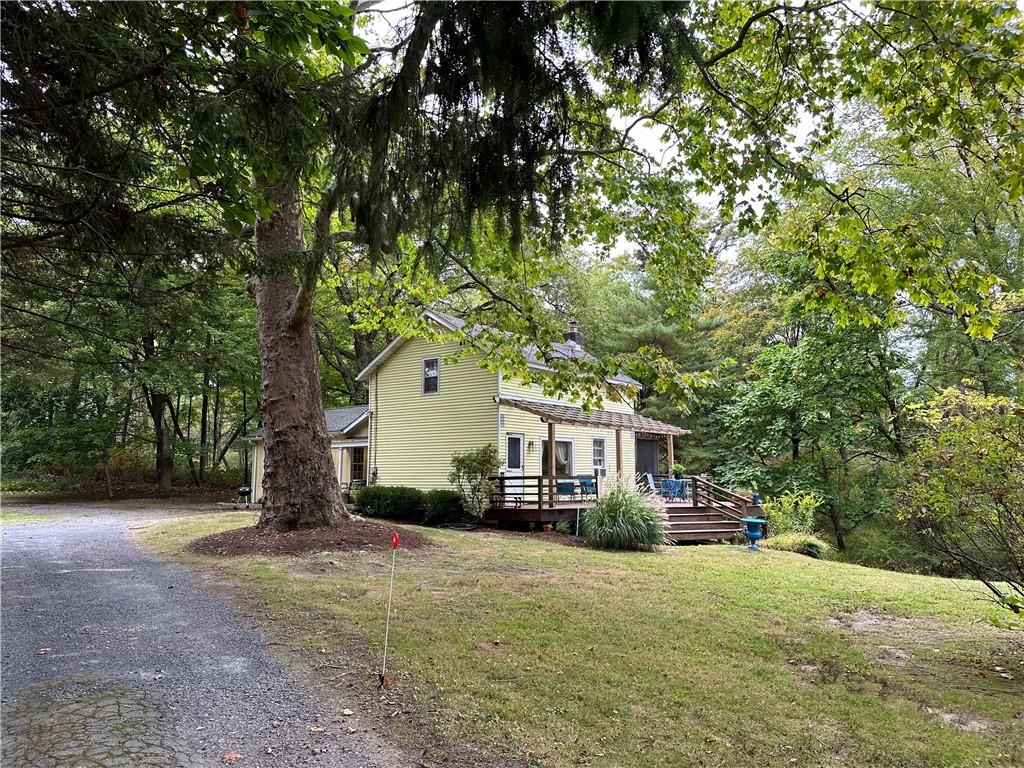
(671, 455)
(551, 464)
(618, 455)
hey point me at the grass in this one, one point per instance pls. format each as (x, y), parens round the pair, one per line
(690, 656)
(18, 517)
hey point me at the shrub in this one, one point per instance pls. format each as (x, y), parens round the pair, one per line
(801, 543)
(392, 502)
(443, 506)
(963, 490)
(471, 472)
(792, 512)
(625, 518)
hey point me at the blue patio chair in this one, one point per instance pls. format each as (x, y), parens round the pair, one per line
(652, 486)
(565, 488)
(588, 486)
(671, 489)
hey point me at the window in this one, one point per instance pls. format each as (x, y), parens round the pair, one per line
(514, 453)
(359, 463)
(599, 454)
(563, 458)
(431, 376)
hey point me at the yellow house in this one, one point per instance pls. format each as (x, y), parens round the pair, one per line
(349, 431)
(423, 407)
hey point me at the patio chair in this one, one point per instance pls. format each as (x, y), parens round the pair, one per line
(565, 488)
(652, 486)
(671, 488)
(588, 486)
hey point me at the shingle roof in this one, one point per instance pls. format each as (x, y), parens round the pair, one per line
(565, 350)
(336, 419)
(559, 413)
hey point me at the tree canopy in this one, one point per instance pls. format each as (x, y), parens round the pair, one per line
(461, 156)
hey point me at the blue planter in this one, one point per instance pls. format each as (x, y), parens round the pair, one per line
(755, 531)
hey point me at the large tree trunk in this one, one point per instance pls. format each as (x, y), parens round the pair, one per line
(299, 486)
(158, 405)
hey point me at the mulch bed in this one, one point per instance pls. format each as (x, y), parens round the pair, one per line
(354, 534)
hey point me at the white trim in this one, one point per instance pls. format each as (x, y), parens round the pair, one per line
(440, 320)
(358, 420)
(497, 403)
(356, 443)
(424, 377)
(399, 341)
(522, 452)
(603, 469)
(384, 355)
(572, 452)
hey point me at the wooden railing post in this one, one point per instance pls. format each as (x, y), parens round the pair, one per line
(551, 464)
(695, 491)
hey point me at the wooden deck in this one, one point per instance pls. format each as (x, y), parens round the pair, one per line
(707, 513)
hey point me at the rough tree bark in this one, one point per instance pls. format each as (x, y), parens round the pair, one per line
(300, 489)
(158, 404)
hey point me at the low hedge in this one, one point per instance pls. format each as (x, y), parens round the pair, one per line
(443, 506)
(393, 502)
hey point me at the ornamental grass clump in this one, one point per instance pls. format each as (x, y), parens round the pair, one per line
(625, 518)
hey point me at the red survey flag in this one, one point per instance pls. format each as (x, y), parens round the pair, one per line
(394, 539)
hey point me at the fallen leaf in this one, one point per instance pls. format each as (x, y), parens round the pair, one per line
(316, 729)
(232, 757)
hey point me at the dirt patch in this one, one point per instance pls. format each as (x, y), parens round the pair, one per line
(355, 534)
(865, 622)
(959, 720)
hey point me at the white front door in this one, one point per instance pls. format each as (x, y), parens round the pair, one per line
(515, 446)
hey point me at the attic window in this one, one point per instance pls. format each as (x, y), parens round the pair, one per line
(431, 376)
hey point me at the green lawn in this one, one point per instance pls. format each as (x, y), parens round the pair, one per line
(18, 517)
(691, 656)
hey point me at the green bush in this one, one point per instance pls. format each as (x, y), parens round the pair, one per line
(471, 472)
(394, 502)
(792, 512)
(801, 543)
(624, 518)
(443, 506)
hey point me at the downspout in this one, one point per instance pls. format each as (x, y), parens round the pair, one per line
(372, 431)
(497, 399)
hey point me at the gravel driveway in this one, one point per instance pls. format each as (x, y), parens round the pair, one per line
(112, 657)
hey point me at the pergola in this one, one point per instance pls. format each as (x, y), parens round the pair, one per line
(558, 413)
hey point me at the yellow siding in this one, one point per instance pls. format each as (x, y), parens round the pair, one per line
(413, 435)
(336, 460)
(535, 431)
(257, 471)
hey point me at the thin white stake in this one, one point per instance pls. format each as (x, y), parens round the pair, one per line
(387, 622)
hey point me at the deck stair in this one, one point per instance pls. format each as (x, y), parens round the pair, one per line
(710, 513)
(702, 511)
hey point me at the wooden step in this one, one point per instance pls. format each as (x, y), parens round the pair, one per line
(686, 517)
(720, 535)
(706, 528)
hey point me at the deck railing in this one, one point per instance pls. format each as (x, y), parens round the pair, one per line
(541, 491)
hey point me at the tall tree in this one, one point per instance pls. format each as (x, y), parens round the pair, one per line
(312, 141)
